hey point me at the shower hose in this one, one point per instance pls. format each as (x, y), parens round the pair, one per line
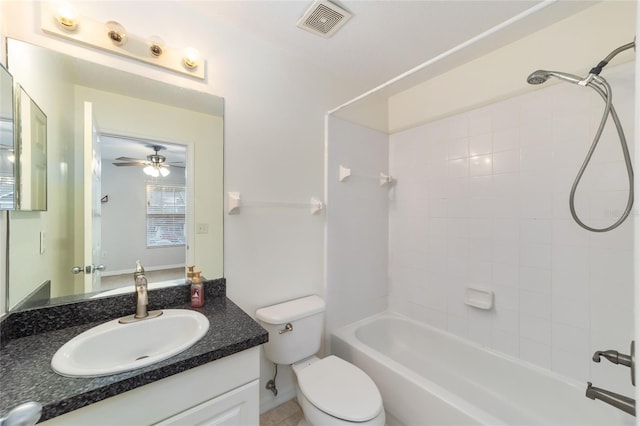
(601, 86)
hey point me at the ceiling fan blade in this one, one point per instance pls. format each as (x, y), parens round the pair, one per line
(131, 163)
(128, 159)
(173, 165)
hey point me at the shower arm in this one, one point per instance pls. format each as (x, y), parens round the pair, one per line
(603, 63)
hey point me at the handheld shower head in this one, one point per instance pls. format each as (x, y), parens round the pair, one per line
(540, 76)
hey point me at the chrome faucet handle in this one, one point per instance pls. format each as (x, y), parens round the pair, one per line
(616, 357)
(612, 356)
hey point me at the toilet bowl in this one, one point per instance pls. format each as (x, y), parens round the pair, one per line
(330, 391)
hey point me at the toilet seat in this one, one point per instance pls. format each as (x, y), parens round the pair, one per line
(340, 389)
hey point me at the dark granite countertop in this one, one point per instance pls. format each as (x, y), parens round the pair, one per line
(26, 374)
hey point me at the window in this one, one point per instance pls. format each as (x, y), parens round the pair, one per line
(166, 206)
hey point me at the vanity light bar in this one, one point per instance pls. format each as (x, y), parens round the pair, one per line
(112, 37)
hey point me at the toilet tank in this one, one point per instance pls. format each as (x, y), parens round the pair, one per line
(302, 339)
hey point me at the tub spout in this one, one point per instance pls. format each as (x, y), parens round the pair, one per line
(621, 402)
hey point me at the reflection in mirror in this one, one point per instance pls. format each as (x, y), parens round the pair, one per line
(133, 113)
(31, 175)
(7, 154)
(144, 201)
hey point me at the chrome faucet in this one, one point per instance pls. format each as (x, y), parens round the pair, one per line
(142, 298)
(613, 356)
(626, 404)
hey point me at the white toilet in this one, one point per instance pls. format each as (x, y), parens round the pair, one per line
(330, 391)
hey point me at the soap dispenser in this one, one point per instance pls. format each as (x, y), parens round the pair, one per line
(190, 273)
(197, 290)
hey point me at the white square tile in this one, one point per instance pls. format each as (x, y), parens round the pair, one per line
(507, 184)
(480, 165)
(570, 338)
(506, 229)
(535, 329)
(535, 255)
(437, 151)
(506, 114)
(506, 139)
(480, 227)
(536, 181)
(536, 206)
(535, 231)
(535, 305)
(506, 161)
(570, 364)
(458, 168)
(506, 252)
(506, 298)
(571, 308)
(505, 275)
(535, 156)
(569, 258)
(506, 319)
(480, 121)
(458, 148)
(481, 186)
(481, 207)
(480, 144)
(535, 279)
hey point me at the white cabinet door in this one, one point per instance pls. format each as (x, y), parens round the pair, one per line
(238, 407)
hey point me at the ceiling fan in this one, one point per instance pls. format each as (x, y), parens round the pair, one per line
(155, 164)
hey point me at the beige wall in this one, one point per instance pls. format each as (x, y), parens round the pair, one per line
(573, 45)
(29, 267)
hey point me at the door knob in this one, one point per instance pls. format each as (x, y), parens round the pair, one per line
(77, 270)
(99, 268)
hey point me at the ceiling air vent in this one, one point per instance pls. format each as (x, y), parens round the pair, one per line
(323, 18)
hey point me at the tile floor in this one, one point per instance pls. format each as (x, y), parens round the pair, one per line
(287, 414)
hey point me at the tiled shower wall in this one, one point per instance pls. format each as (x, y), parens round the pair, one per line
(482, 201)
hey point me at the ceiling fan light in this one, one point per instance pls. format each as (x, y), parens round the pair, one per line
(151, 171)
(164, 171)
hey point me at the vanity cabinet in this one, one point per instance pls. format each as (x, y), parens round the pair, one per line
(222, 392)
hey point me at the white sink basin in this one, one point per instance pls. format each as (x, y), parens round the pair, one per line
(112, 347)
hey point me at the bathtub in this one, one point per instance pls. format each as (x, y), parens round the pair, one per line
(430, 377)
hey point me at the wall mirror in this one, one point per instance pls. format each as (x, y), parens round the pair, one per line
(135, 169)
(7, 154)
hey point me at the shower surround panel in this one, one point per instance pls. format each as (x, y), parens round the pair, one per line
(482, 200)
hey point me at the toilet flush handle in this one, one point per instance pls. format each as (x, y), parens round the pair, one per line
(287, 328)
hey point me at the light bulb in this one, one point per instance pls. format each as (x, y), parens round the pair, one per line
(116, 33)
(151, 171)
(156, 46)
(67, 17)
(164, 171)
(191, 58)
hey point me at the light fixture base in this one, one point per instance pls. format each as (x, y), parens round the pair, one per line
(92, 33)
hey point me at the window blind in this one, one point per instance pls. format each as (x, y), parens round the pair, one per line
(166, 207)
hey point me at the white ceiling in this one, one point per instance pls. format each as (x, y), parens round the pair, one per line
(384, 39)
